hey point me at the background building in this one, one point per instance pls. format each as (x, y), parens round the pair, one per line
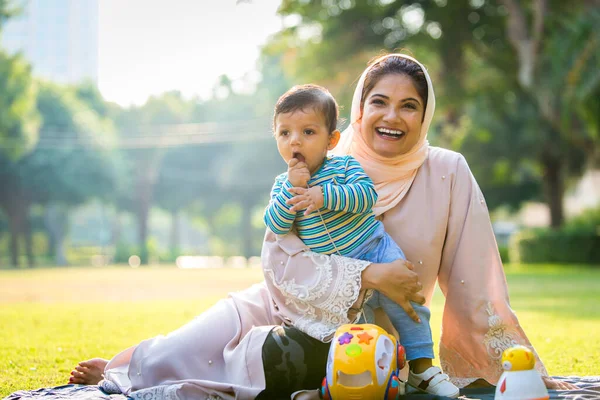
(58, 37)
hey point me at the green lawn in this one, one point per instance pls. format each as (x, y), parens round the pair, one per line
(53, 318)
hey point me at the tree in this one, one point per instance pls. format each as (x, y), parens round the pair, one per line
(557, 51)
(188, 174)
(70, 164)
(466, 39)
(145, 134)
(19, 120)
(7, 10)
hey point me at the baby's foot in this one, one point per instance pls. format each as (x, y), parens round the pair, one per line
(433, 381)
(88, 372)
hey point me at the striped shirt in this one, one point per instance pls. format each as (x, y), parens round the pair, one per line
(348, 198)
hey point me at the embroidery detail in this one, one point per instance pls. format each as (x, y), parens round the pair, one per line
(323, 306)
(499, 337)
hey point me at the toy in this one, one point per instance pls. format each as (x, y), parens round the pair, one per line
(363, 363)
(520, 381)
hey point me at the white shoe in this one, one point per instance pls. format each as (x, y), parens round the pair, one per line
(433, 381)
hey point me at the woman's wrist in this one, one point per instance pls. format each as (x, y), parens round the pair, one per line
(370, 276)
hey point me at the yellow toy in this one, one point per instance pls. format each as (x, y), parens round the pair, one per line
(363, 363)
(520, 381)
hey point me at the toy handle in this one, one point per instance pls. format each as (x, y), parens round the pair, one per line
(401, 357)
(324, 392)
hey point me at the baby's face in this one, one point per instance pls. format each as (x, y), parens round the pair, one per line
(303, 134)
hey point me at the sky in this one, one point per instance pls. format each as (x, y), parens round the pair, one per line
(148, 47)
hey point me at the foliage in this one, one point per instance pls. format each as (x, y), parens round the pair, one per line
(523, 142)
(73, 160)
(70, 164)
(19, 120)
(588, 221)
(566, 245)
(8, 9)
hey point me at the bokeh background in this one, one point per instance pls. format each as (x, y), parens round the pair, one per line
(139, 132)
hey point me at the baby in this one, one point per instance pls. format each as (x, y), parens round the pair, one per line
(330, 200)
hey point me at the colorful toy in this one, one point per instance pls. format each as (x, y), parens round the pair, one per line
(520, 381)
(363, 363)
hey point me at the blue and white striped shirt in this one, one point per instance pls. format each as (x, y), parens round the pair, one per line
(348, 198)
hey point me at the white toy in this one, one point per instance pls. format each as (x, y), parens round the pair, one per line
(520, 381)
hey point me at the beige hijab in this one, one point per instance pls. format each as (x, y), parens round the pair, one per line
(392, 176)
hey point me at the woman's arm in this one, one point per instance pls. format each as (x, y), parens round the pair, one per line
(478, 323)
(316, 292)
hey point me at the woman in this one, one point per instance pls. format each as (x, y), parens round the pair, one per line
(430, 204)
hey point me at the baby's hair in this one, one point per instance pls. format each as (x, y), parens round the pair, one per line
(301, 97)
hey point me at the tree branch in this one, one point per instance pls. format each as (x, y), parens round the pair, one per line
(524, 44)
(539, 14)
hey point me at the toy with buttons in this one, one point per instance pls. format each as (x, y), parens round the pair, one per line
(363, 363)
(520, 381)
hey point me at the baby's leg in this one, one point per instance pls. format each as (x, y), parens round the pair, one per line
(414, 336)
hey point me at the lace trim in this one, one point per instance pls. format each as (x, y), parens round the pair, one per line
(449, 359)
(321, 317)
(498, 338)
(163, 392)
(109, 387)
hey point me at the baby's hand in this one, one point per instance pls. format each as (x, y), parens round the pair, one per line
(298, 173)
(311, 199)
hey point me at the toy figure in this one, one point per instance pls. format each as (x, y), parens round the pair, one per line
(520, 381)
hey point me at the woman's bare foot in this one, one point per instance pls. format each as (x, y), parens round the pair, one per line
(88, 372)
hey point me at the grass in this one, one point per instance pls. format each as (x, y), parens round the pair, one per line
(52, 318)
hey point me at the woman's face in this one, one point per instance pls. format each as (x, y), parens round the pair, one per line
(392, 116)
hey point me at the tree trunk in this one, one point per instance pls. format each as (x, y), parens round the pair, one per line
(115, 231)
(175, 232)
(554, 188)
(15, 231)
(27, 234)
(246, 230)
(17, 211)
(142, 219)
(56, 221)
(148, 171)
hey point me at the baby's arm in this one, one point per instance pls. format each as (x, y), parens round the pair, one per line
(356, 195)
(278, 215)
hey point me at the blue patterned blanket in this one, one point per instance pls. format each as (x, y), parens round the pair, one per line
(589, 389)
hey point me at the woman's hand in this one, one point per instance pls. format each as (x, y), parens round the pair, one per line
(398, 281)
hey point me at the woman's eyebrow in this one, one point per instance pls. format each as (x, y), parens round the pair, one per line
(411, 98)
(403, 100)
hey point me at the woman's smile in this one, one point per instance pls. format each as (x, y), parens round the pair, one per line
(390, 134)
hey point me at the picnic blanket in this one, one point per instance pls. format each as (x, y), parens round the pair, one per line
(589, 389)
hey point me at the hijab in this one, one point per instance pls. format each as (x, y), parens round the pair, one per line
(392, 176)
